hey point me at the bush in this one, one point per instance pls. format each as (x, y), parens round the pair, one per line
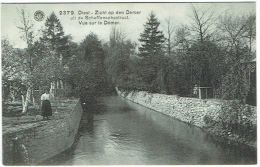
(235, 118)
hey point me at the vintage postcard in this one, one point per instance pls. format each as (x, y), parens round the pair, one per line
(140, 83)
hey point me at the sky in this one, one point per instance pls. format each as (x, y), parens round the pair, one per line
(132, 27)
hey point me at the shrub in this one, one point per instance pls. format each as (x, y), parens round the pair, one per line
(235, 118)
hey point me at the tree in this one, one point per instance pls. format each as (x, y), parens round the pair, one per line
(54, 38)
(26, 27)
(13, 72)
(116, 37)
(86, 70)
(203, 19)
(250, 30)
(169, 29)
(234, 33)
(206, 63)
(117, 61)
(92, 48)
(151, 38)
(152, 52)
(202, 47)
(56, 45)
(182, 35)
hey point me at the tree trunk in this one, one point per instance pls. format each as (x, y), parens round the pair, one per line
(62, 93)
(22, 99)
(161, 81)
(53, 93)
(52, 90)
(33, 98)
(27, 100)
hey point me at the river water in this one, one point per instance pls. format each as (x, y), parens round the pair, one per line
(118, 132)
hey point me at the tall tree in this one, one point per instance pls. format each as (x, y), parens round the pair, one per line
(234, 33)
(56, 45)
(117, 52)
(116, 37)
(182, 40)
(201, 28)
(54, 38)
(26, 28)
(151, 38)
(92, 48)
(86, 69)
(152, 51)
(169, 29)
(251, 30)
(231, 30)
(203, 20)
(13, 71)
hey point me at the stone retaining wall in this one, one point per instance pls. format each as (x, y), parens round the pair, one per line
(190, 110)
(44, 139)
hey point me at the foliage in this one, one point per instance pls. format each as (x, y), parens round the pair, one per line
(54, 39)
(91, 48)
(234, 85)
(182, 35)
(52, 51)
(234, 34)
(202, 64)
(205, 62)
(151, 38)
(234, 120)
(212, 58)
(152, 72)
(27, 34)
(86, 72)
(49, 69)
(13, 72)
(118, 64)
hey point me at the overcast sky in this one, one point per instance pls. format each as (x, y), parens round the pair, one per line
(132, 26)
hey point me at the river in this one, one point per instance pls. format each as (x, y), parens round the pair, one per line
(118, 132)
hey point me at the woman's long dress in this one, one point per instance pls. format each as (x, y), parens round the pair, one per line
(46, 108)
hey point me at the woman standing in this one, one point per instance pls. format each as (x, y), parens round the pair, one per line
(46, 105)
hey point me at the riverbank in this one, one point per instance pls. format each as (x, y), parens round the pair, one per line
(37, 140)
(205, 114)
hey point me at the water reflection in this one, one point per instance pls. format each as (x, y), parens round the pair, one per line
(118, 132)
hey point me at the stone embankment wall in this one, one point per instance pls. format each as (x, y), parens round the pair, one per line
(44, 139)
(190, 110)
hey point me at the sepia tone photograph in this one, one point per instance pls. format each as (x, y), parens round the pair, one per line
(128, 83)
